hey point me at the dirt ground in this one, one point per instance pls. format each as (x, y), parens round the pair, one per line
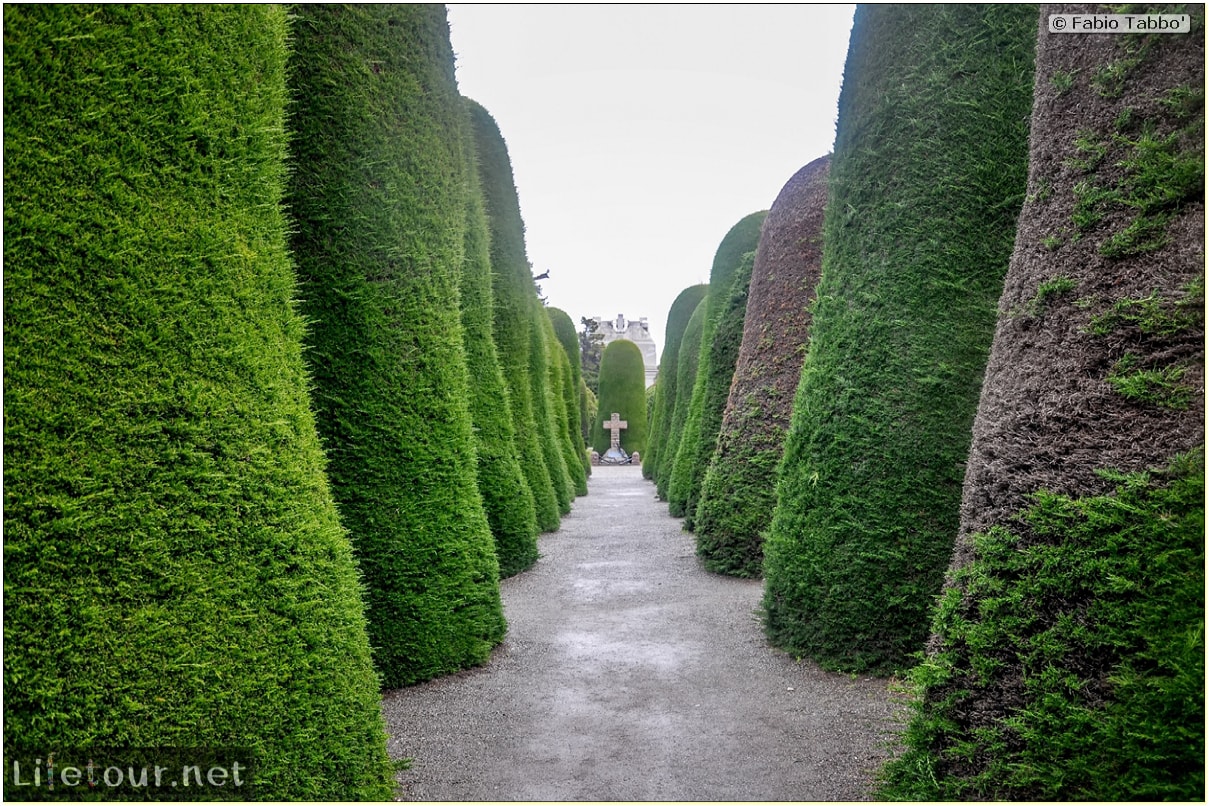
(630, 673)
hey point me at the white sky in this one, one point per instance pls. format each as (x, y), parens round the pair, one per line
(639, 134)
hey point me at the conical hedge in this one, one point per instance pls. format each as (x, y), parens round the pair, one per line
(666, 388)
(1068, 660)
(378, 192)
(704, 416)
(547, 404)
(572, 378)
(515, 298)
(926, 183)
(622, 390)
(507, 498)
(738, 493)
(686, 376)
(175, 574)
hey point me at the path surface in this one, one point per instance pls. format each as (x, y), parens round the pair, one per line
(629, 673)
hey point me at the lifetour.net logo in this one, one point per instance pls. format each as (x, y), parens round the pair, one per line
(156, 774)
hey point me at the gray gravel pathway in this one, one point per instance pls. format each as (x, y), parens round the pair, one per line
(630, 673)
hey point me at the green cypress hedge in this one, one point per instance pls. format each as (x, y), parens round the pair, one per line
(666, 388)
(587, 407)
(686, 376)
(704, 415)
(622, 390)
(738, 493)
(379, 195)
(175, 573)
(577, 461)
(926, 183)
(546, 405)
(515, 297)
(507, 499)
(1067, 660)
(723, 354)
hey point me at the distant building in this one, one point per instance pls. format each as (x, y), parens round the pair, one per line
(636, 331)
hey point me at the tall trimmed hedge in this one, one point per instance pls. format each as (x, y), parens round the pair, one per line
(666, 387)
(1068, 654)
(547, 404)
(686, 377)
(738, 493)
(175, 574)
(378, 192)
(704, 416)
(926, 183)
(507, 499)
(723, 353)
(515, 298)
(564, 332)
(622, 390)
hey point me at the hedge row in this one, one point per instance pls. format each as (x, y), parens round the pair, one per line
(175, 574)
(738, 494)
(515, 305)
(622, 390)
(704, 414)
(572, 378)
(686, 377)
(378, 195)
(1068, 655)
(507, 499)
(926, 183)
(667, 388)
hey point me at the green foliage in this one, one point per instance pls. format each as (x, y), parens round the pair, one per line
(1164, 171)
(1158, 386)
(574, 400)
(591, 348)
(666, 388)
(175, 573)
(546, 405)
(1085, 619)
(565, 404)
(686, 377)
(720, 370)
(589, 406)
(507, 499)
(926, 183)
(622, 390)
(515, 299)
(378, 193)
(704, 415)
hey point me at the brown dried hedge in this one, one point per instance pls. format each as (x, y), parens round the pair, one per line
(1067, 661)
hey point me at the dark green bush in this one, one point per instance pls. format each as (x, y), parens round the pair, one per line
(704, 415)
(577, 461)
(515, 299)
(507, 498)
(926, 184)
(175, 573)
(666, 388)
(1081, 625)
(738, 494)
(622, 390)
(378, 192)
(686, 376)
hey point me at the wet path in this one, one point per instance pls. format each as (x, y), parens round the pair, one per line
(629, 673)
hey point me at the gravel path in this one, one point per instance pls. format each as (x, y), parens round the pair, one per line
(629, 673)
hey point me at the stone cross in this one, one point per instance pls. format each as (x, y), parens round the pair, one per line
(614, 426)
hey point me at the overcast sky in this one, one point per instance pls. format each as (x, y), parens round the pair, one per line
(640, 134)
